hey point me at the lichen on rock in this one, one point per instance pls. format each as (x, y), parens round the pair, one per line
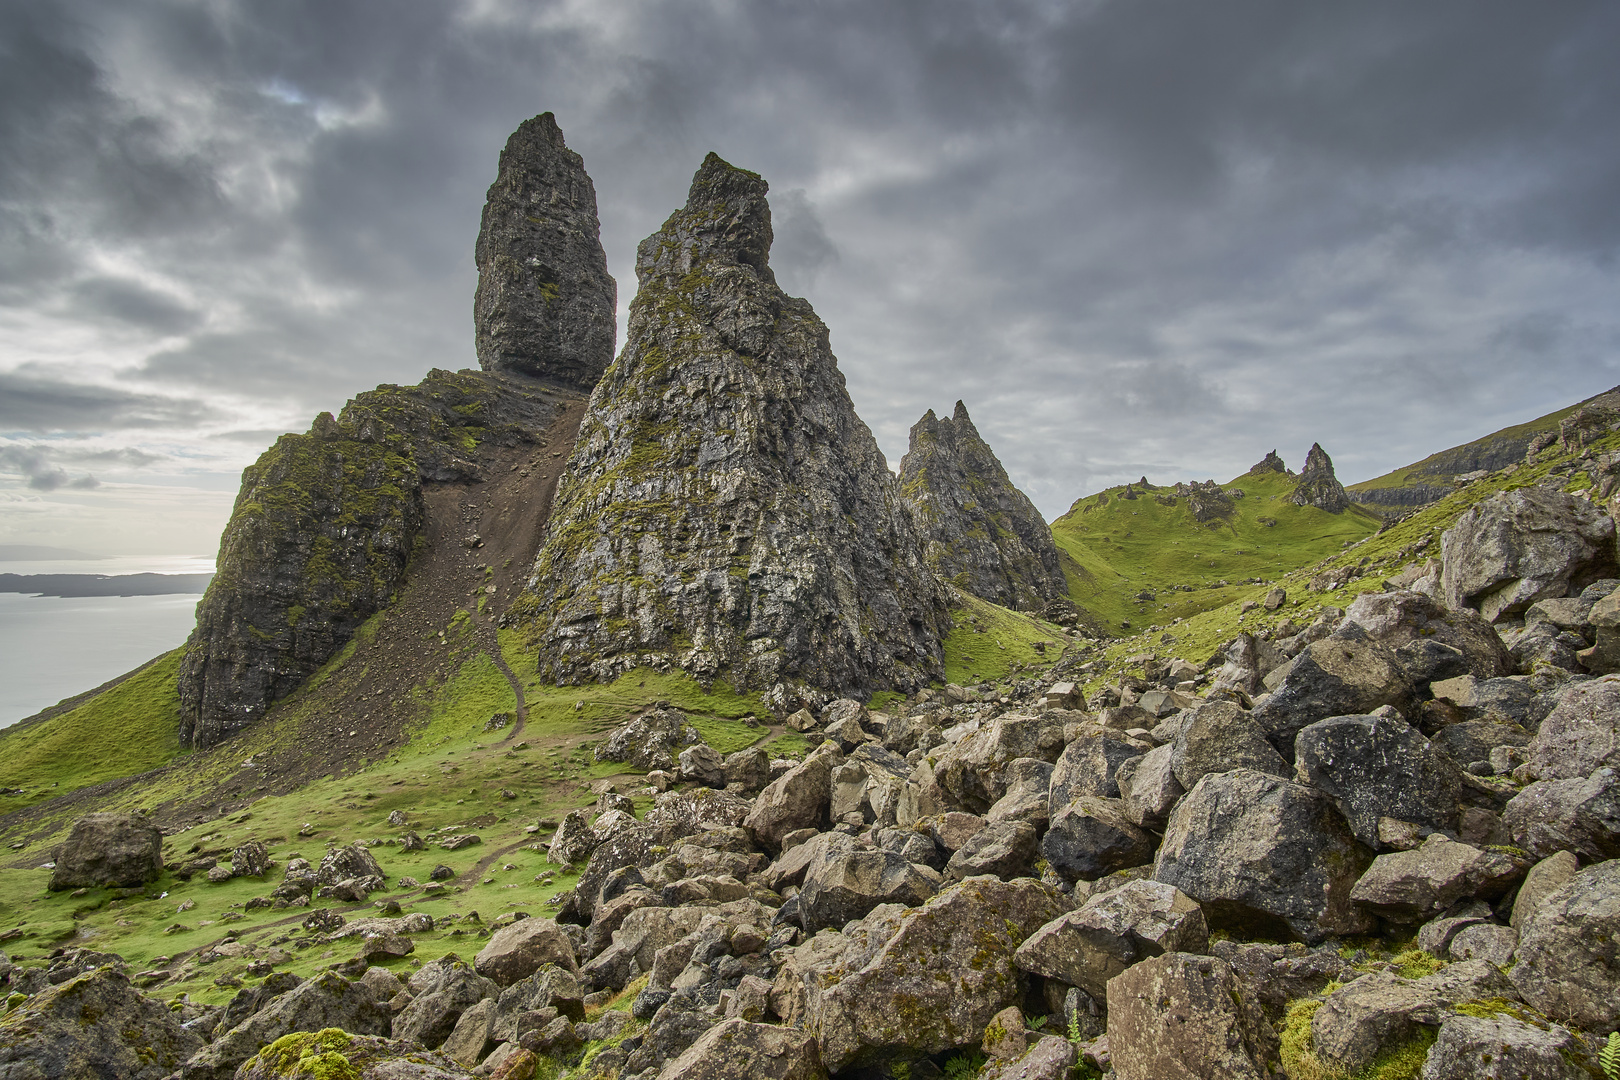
(724, 509)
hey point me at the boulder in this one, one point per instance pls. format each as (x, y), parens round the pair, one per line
(798, 799)
(973, 770)
(250, 860)
(112, 850)
(518, 950)
(1109, 933)
(1376, 767)
(1413, 886)
(1582, 816)
(1148, 787)
(441, 991)
(1275, 975)
(345, 863)
(1091, 837)
(574, 839)
(702, 764)
(1604, 617)
(1382, 1011)
(1545, 878)
(650, 741)
(1473, 740)
(1411, 624)
(1517, 547)
(95, 1024)
(1581, 733)
(1004, 849)
(470, 1040)
(1088, 765)
(1346, 673)
(683, 813)
(845, 882)
(629, 848)
(1263, 853)
(1028, 781)
(327, 1000)
(551, 987)
(1484, 941)
(1567, 951)
(738, 1048)
(1219, 737)
(1183, 1017)
(1502, 1048)
(914, 981)
(749, 768)
(1048, 1057)
(331, 1052)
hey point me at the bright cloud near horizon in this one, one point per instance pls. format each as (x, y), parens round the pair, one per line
(1135, 236)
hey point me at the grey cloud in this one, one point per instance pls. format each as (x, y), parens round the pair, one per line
(132, 302)
(37, 470)
(801, 247)
(32, 402)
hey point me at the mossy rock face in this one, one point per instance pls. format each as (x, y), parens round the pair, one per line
(95, 1024)
(725, 510)
(324, 529)
(983, 534)
(332, 1054)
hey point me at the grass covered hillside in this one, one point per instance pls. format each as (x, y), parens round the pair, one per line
(1148, 559)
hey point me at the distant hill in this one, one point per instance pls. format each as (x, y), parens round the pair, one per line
(1425, 481)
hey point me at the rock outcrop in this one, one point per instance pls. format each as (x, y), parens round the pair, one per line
(725, 510)
(1270, 463)
(113, 850)
(545, 304)
(1318, 486)
(983, 534)
(323, 532)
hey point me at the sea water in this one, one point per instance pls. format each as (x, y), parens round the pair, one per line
(53, 647)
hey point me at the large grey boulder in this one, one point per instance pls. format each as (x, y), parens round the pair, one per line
(633, 846)
(1029, 781)
(327, 1000)
(517, 951)
(1545, 878)
(1581, 734)
(737, 1048)
(322, 1055)
(1503, 1048)
(1517, 547)
(344, 863)
(1604, 618)
(1004, 849)
(650, 741)
(1092, 837)
(843, 885)
(683, 813)
(1382, 1011)
(96, 1025)
(551, 987)
(1148, 787)
(545, 303)
(1431, 640)
(1109, 933)
(1569, 951)
(1263, 853)
(1377, 767)
(1581, 815)
(441, 991)
(114, 850)
(1346, 673)
(1088, 765)
(635, 945)
(798, 799)
(1411, 886)
(914, 981)
(1473, 740)
(1274, 975)
(973, 770)
(1219, 737)
(1183, 1017)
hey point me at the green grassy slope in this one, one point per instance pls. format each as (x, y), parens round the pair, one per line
(1121, 548)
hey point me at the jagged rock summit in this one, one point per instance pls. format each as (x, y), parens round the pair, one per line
(1318, 486)
(1270, 463)
(724, 509)
(545, 302)
(982, 533)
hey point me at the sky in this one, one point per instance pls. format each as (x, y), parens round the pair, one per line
(1137, 238)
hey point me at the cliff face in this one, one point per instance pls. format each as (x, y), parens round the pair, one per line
(323, 532)
(981, 532)
(545, 303)
(724, 509)
(1318, 486)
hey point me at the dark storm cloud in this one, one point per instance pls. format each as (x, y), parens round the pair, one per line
(39, 472)
(1135, 236)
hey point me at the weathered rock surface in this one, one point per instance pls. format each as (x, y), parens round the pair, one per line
(1004, 849)
(1581, 734)
(1521, 546)
(982, 533)
(1089, 765)
(323, 531)
(739, 1048)
(442, 991)
(845, 882)
(1545, 878)
(1382, 1011)
(1264, 853)
(1569, 951)
(95, 1024)
(1502, 1048)
(1109, 933)
(1183, 1017)
(1582, 816)
(1318, 486)
(1091, 837)
(326, 1001)
(517, 951)
(1346, 673)
(1148, 788)
(114, 850)
(545, 304)
(1423, 632)
(1376, 767)
(724, 508)
(1410, 886)
(1219, 737)
(332, 1052)
(798, 799)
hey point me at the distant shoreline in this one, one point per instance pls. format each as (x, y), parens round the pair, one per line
(75, 585)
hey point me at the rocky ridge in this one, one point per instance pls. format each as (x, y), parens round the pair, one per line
(545, 304)
(1318, 486)
(725, 510)
(982, 533)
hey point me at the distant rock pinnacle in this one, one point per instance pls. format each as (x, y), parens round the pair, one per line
(545, 303)
(1270, 463)
(983, 534)
(1318, 486)
(725, 510)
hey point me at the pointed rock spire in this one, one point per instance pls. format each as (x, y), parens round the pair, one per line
(1318, 486)
(983, 534)
(545, 304)
(1270, 463)
(725, 510)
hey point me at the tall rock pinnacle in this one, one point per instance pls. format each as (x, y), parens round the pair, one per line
(982, 533)
(1318, 486)
(545, 303)
(724, 508)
